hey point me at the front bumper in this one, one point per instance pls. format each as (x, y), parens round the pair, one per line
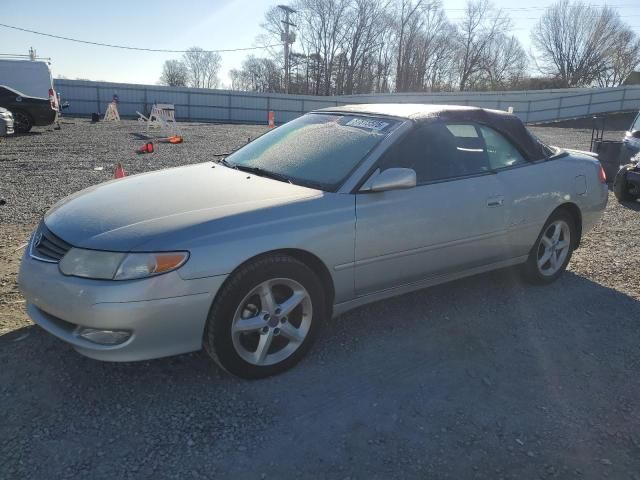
(43, 117)
(166, 315)
(6, 126)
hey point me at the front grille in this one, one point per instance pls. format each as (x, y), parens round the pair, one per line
(46, 246)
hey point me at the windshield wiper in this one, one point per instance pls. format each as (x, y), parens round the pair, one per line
(314, 185)
(260, 172)
(276, 176)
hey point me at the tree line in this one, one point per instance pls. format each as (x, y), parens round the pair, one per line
(197, 68)
(347, 47)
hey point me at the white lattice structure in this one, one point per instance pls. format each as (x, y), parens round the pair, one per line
(162, 116)
(112, 115)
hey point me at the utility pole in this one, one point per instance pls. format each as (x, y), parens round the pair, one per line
(288, 38)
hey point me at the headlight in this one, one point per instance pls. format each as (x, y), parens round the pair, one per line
(140, 265)
(101, 265)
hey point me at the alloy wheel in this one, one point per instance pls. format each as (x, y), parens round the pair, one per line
(272, 321)
(553, 248)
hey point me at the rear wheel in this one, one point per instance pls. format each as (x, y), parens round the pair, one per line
(22, 121)
(265, 318)
(621, 186)
(552, 251)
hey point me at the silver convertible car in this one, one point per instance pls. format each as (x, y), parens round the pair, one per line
(338, 208)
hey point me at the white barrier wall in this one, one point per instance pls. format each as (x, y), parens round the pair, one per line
(226, 106)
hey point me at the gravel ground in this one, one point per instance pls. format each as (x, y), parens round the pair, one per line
(480, 378)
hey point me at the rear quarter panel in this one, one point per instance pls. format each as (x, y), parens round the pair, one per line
(594, 201)
(534, 191)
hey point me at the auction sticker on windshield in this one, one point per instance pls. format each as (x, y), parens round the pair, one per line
(369, 124)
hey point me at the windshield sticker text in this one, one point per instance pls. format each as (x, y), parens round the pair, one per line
(377, 125)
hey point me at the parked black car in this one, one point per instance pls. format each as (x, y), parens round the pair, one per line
(27, 111)
(626, 184)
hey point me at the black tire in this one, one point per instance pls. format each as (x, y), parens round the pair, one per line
(218, 340)
(621, 187)
(22, 121)
(531, 270)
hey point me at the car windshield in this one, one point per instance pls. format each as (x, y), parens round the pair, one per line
(315, 150)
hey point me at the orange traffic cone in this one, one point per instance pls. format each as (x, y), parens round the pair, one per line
(119, 173)
(146, 148)
(175, 139)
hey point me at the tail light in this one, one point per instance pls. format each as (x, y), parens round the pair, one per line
(52, 99)
(602, 175)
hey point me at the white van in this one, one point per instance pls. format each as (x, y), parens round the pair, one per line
(31, 78)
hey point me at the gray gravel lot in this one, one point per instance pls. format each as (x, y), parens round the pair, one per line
(480, 378)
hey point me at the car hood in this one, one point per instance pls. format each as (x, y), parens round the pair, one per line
(124, 214)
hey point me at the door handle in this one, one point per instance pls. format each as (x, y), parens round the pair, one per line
(496, 201)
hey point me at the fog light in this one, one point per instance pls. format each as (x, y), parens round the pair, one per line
(105, 337)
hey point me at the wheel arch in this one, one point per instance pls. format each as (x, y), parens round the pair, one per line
(319, 268)
(23, 112)
(309, 259)
(575, 212)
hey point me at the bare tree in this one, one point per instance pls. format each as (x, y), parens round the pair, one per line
(238, 80)
(365, 24)
(273, 32)
(351, 46)
(257, 74)
(383, 64)
(408, 15)
(174, 74)
(622, 60)
(202, 67)
(505, 62)
(429, 47)
(478, 31)
(324, 31)
(576, 42)
(363, 46)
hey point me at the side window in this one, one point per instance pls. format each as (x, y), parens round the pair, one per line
(408, 152)
(437, 151)
(501, 151)
(636, 123)
(470, 151)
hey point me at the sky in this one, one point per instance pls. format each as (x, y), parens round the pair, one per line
(178, 25)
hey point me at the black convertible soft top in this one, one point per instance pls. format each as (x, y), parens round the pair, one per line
(506, 123)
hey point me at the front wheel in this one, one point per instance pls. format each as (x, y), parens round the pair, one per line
(22, 122)
(552, 251)
(265, 317)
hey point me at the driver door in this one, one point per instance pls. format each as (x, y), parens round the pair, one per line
(451, 221)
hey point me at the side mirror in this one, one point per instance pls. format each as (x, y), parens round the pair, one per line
(390, 179)
(635, 133)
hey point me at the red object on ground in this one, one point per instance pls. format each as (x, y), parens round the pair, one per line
(272, 119)
(146, 148)
(174, 139)
(119, 173)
